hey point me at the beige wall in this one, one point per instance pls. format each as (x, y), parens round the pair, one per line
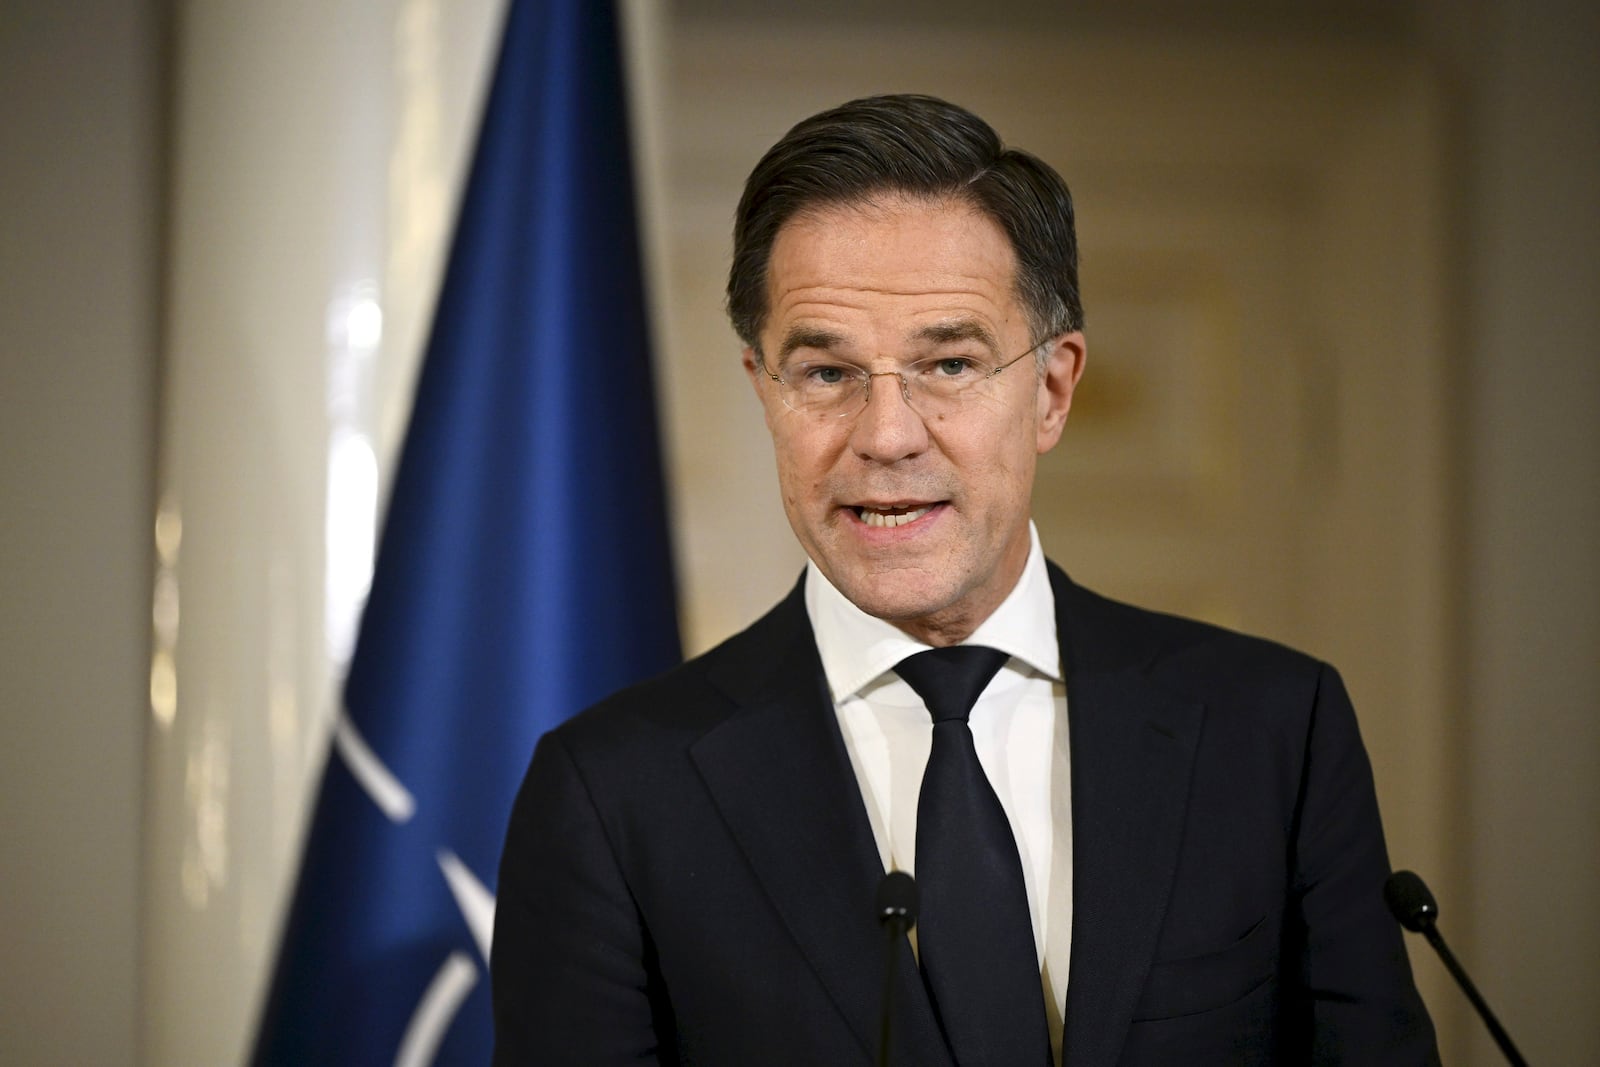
(79, 270)
(79, 276)
(1529, 322)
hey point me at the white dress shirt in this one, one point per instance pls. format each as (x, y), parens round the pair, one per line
(1019, 727)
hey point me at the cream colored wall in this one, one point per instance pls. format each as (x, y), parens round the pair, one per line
(1529, 433)
(79, 281)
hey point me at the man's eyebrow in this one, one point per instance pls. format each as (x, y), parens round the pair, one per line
(944, 333)
(808, 337)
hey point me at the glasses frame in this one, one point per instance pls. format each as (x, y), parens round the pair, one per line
(864, 378)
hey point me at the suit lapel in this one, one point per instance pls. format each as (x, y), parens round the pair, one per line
(779, 773)
(1132, 751)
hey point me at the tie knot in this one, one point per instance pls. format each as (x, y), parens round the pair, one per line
(949, 680)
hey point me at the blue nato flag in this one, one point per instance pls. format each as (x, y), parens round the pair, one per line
(524, 569)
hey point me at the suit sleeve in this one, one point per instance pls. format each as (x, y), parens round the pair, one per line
(571, 961)
(1351, 999)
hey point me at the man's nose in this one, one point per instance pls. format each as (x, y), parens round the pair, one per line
(888, 428)
(900, 380)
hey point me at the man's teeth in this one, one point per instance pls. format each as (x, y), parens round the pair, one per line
(893, 518)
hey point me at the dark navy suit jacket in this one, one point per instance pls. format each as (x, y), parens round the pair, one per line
(689, 872)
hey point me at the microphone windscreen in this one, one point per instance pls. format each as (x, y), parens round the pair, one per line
(1409, 901)
(897, 898)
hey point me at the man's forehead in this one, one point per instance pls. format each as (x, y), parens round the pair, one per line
(943, 263)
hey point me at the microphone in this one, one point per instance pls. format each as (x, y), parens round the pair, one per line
(1414, 908)
(1410, 901)
(897, 911)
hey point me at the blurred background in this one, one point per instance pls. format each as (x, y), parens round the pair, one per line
(1341, 264)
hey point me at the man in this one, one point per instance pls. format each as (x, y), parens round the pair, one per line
(1140, 840)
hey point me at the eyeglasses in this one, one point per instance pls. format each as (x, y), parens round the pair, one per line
(932, 387)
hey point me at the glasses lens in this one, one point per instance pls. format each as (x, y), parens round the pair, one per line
(942, 385)
(821, 388)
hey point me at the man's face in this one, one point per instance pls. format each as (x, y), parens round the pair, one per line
(879, 286)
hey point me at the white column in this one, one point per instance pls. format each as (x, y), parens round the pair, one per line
(317, 151)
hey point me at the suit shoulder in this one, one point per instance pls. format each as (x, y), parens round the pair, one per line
(1184, 653)
(645, 713)
(683, 703)
(1177, 634)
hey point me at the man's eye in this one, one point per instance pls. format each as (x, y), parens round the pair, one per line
(953, 367)
(826, 375)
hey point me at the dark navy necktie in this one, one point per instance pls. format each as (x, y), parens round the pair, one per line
(974, 934)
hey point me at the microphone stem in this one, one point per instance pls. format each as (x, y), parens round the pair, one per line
(897, 929)
(1496, 1031)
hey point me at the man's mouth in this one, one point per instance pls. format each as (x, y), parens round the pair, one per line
(891, 517)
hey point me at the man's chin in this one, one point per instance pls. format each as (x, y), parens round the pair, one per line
(905, 603)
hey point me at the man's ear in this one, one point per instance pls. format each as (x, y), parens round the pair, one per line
(758, 379)
(1063, 367)
(752, 368)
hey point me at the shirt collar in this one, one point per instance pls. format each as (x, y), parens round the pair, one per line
(856, 648)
